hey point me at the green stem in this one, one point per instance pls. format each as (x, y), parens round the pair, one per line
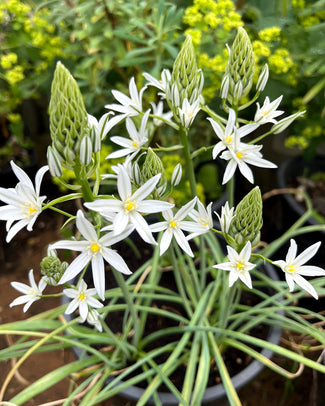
(61, 200)
(188, 161)
(129, 300)
(231, 192)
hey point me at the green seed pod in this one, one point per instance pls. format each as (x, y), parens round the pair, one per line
(240, 67)
(248, 220)
(68, 116)
(52, 268)
(186, 79)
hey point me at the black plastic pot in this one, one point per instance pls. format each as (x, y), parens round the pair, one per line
(292, 168)
(215, 395)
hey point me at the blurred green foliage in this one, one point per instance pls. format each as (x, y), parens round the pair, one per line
(29, 45)
(112, 40)
(290, 36)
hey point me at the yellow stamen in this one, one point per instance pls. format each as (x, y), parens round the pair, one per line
(95, 247)
(82, 296)
(239, 155)
(291, 268)
(31, 210)
(134, 144)
(129, 205)
(240, 266)
(228, 139)
(173, 224)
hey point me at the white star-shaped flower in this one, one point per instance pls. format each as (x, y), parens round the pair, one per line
(24, 203)
(268, 112)
(129, 207)
(100, 127)
(135, 142)
(188, 112)
(128, 107)
(31, 293)
(241, 155)
(95, 250)
(225, 217)
(228, 134)
(294, 267)
(238, 265)
(202, 215)
(158, 111)
(174, 225)
(162, 84)
(82, 298)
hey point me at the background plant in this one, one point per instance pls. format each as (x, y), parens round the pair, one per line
(114, 40)
(291, 40)
(29, 44)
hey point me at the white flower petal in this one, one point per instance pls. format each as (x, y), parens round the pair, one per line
(98, 271)
(85, 227)
(115, 260)
(76, 266)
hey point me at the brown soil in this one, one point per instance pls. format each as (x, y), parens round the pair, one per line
(25, 252)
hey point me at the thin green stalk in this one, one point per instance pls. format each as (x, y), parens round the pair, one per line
(154, 277)
(188, 161)
(226, 380)
(231, 192)
(61, 200)
(128, 296)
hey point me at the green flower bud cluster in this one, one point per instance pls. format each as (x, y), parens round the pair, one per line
(186, 79)
(52, 268)
(68, 119)
(153, 166)
(247, 221)
(240, 68)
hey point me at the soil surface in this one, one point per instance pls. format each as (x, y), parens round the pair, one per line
(25, 252)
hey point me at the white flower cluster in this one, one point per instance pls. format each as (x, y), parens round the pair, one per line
(126, 212)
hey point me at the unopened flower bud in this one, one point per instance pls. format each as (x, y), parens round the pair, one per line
(247, 221)
(225, 87)
(187, 78)
(263, 78)
(177, 175)
(52, 268)
(285, 122)
(68, 116)
(240, 67)
(152, 166)
(136, 174)
(54, 162)
(86, 150)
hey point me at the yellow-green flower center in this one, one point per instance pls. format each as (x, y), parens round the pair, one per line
(134, 144)
(82, 297)
(129, 206)
(173, 224)
(290, 269)
(94, 248)
(228, 139)
(29, 210)
(239, 155)
(240, 266)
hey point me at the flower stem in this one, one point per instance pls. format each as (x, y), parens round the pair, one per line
(129, 300)
(188, 161)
